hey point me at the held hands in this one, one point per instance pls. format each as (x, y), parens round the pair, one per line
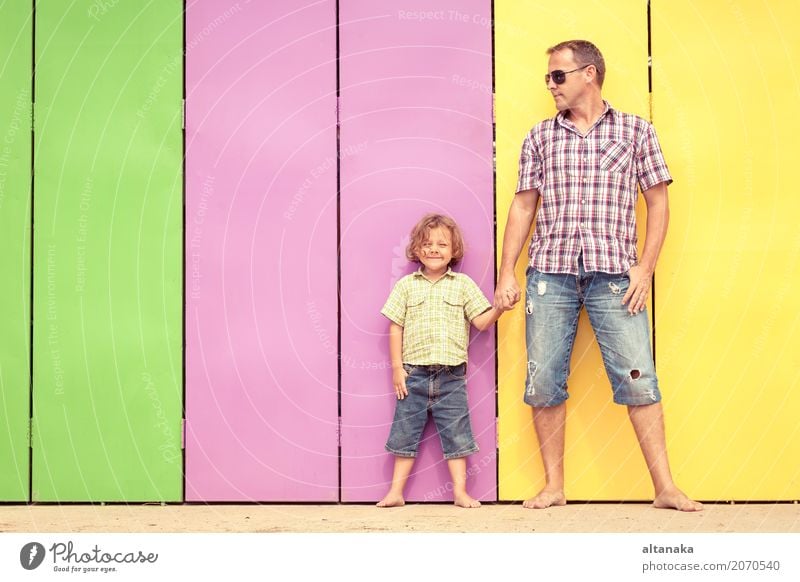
(638, 289)
(399, 376)
(507, 293)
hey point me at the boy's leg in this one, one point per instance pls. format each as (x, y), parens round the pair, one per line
(410, 417)
(402, 469)
(450, 412)
(458, 473)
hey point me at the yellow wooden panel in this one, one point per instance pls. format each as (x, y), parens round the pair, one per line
(602, 458)
(726, 87)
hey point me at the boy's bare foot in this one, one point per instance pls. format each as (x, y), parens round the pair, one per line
(546, 498)
(464, 500)
(674, 498)
(391, 500)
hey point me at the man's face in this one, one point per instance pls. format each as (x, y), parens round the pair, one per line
(569, 92)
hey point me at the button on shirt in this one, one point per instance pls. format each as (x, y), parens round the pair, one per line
(588, 189)
(435, 316)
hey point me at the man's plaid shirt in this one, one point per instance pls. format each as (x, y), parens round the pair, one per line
(435, 316)
(588, 190)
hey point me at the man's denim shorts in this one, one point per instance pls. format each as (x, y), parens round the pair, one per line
(552, 305)
(442, 390)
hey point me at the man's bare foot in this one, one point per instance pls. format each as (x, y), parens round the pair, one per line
(464, 500)
(391, 500)
(546, 498)
(674, 498)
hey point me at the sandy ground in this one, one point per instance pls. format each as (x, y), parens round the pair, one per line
(575, 517)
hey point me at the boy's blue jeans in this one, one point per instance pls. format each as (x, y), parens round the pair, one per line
(442, 390)
(553, 302)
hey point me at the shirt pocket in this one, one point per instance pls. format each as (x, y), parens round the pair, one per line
(616, 156)
(415, 303)
(454, 304)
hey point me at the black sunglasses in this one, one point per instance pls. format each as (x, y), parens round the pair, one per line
(559, 76)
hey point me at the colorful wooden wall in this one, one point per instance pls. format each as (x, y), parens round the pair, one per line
(416, 137)
(261, 271)
(16, 26)
(726, 85)
(179, 324)
(723, 86)
(107, 306)
(602, 458)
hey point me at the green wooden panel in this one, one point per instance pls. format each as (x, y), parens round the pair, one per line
(16, 28)
(107, 251)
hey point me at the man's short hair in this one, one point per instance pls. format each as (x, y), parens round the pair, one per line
(585, 53)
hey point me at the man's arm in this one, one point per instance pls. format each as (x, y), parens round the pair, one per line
(520, 220)
(399, 373)
(656, 231)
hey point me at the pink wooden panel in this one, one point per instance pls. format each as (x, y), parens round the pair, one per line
(261, 306)
(416, 136)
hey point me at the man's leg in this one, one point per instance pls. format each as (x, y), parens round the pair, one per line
(550, 424)
(624, 341)
(552, 308)
(648, 423)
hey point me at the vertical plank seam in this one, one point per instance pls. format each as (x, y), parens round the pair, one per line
(650, 111)
(494, 259)
(183, 264)
(30, 258)
(338, 262)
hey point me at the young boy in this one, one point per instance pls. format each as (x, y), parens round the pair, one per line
(430, 312)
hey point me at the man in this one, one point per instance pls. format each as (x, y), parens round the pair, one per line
(586, 165)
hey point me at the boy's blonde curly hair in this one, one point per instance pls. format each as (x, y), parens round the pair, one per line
(420, 232)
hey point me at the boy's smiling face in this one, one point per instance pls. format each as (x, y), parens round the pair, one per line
(436, 251)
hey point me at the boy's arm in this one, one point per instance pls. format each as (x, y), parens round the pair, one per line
(486, 319)
(399, 373)
(477, 309)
